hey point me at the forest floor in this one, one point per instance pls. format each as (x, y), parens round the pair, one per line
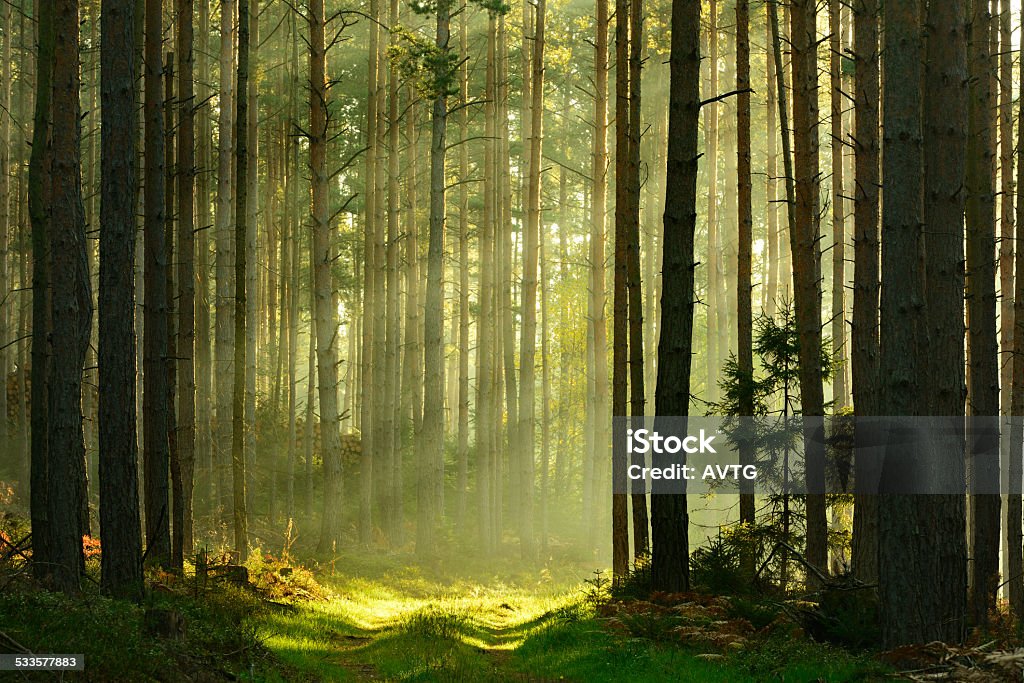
(394, 621)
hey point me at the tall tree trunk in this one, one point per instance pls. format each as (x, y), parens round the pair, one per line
(431, 453)
(775, 245)
(528, 332)
(326, 313)
(803, 237)
(71, 310)
(637, 397)
(462, 454)
(238, 455)
(713, 354)
(171, 359)
(669, 518)
(983, 375)
(186, 276)
(224, 306)
(1015, 467)
(203, 365)
(121, 561)
(598, 218)
(840, 390)
(252, 202)
(864, 330)
(487, 408)
(922, 576)
(1012, 561)
(620, 298)
(946, 89)
(392, 415)
(39, 210)
(744, 284)
(5, 214)
(156, 430)
(369, 414)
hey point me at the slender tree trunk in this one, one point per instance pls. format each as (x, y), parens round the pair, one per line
(203, 365)
(599, 219)
(5, 215)
(711, 145)
(744, 284)
(186, 277)
(840, 390)
(1013, 562)
(252, 203)
(804, 235)
(71, 310)
(224, 306)
(620, 300)
(156, 429)
(775, 245)
(171, 359)
(983, 374)
(39, 210)
(487, 408)
(1015, 467)
(462, 455)
(669, 518)
(528, 332)
(369, 410)
(238, 443)
(325, 314)
(864, 330)
(392, 415)
(431, 453)
(637, 397)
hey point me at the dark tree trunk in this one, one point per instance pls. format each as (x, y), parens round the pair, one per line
(238, 463)
(669, 519)
(744, 285)
(1016, 475)
(71, 310)
(121, 560)
(620, 300)
(864, 330)
(983, 376)
(39, 210)
(804, 235)
(186, 417)
(155, 409)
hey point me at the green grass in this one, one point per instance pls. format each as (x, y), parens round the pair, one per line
(395, 622)
(219, 635)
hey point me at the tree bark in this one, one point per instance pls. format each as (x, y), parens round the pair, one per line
(238, 442)
(864, 329)
(744, 283)
(669, 518)
(71, 310)
(155, 410)
(121, 560)
(39, 210)
(983, 373)
(804, 235)
(326, 313)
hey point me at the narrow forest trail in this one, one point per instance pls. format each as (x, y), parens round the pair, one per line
(415, 625)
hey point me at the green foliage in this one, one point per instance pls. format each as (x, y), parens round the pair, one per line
(715, 567)
(636, 585)
(218, 632)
